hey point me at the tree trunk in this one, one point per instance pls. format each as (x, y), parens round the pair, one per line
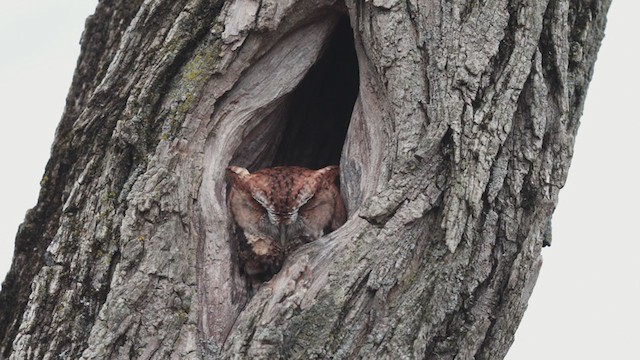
(453, 123)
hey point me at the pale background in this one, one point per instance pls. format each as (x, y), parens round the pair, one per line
(586, 304)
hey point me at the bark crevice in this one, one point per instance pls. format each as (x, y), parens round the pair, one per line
(303, 91)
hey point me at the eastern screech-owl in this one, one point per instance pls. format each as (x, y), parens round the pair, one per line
(278, 209)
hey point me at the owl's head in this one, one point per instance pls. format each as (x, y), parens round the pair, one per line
(281, 191)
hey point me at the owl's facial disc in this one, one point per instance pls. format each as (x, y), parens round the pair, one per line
(286, 218)
(290, 217)
(304, 196)
(261, 198)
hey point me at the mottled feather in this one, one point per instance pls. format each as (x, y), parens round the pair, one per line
(278, 209)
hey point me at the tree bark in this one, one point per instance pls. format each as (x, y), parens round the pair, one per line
(458, 142)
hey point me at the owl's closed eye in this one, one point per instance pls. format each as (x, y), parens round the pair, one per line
(278, 209)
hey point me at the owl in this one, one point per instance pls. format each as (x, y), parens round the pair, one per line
(277, 210)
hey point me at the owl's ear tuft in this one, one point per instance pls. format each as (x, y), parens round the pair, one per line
(237, 175)
(240, 171)
(328, 173)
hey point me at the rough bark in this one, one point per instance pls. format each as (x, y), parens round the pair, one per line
(460, 138)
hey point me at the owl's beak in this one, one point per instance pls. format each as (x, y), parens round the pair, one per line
(283, 235)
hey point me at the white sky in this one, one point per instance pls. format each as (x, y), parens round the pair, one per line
(586, 304)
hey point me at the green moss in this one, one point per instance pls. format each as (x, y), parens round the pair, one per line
(44, 180)
(186, 103)
(192, 74)
(59, 309)
(104, 214)
(183, 316)
(107, 200)
(188, 84)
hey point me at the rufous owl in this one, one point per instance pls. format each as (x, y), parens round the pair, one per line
(278, 209)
